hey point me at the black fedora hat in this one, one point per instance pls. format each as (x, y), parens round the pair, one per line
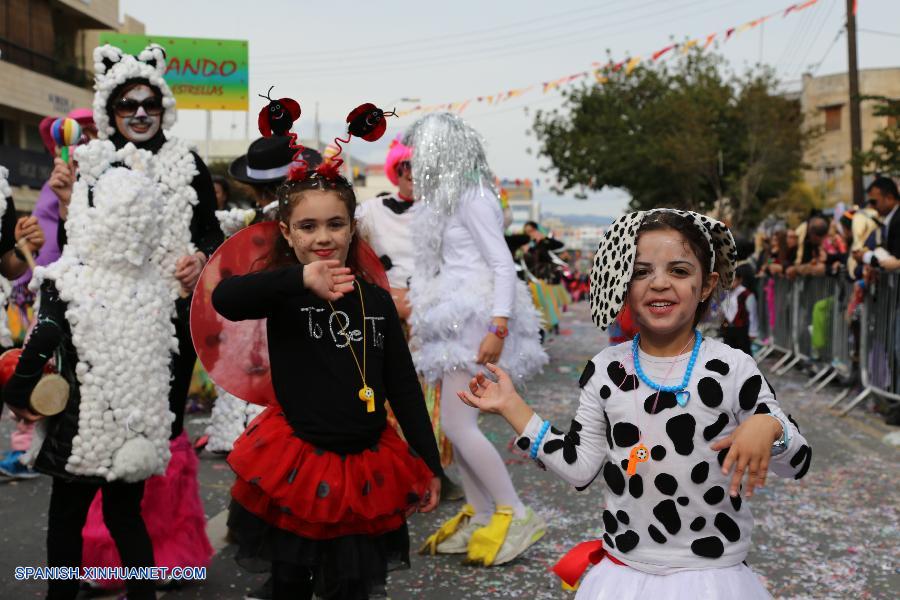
(268, 160)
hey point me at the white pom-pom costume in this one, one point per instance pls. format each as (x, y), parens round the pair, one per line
(120, 309)
(5, 286)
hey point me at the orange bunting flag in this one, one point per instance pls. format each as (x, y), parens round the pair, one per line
(464, 106)
(709, 40)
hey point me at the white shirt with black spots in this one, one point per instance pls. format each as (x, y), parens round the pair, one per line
(674, 514)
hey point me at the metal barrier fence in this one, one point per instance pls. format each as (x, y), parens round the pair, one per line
(813, 322)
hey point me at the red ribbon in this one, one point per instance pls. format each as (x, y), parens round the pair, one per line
(576, 561)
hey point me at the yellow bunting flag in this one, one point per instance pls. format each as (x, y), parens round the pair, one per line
(632, 64)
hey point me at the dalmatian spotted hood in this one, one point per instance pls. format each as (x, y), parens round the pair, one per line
(614, 261)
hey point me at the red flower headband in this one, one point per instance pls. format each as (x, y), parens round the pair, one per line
(366, 121)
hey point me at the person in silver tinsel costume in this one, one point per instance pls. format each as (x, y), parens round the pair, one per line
(469, 309)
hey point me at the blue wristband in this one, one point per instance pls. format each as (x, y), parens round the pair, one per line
(536, 445)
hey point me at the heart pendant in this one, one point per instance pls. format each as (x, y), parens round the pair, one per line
(682, 398)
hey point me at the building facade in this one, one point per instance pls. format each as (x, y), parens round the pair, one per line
(825, 104)
(46, 69)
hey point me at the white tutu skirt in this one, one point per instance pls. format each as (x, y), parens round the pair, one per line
(609, 581)
(451, 316)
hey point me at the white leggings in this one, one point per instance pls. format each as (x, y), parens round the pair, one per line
(484, 476)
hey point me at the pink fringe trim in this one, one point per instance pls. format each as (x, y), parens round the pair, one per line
(173, 514)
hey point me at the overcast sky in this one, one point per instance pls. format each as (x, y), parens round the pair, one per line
(341, 54)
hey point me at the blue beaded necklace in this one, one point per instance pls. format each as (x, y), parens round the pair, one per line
(682, 395)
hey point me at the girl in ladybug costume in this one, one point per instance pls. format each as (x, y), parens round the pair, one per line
(324, 486)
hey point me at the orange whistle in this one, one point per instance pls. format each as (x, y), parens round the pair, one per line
(638, 454)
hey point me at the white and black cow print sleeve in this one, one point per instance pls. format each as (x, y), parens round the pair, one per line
(756, 396)
(575, 456)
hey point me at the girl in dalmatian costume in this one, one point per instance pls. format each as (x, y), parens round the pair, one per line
(104, 313)
(134, 107)
(468, 307)
(662, 421)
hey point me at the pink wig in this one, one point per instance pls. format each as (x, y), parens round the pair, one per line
(397, 153)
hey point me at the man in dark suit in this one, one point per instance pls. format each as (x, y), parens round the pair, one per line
(884, 196)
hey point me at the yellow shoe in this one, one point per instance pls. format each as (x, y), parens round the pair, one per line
(487, 541)
(521, 535)
(446, 530)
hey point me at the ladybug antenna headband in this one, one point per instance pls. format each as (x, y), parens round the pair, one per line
(268, 94)
(366, 121)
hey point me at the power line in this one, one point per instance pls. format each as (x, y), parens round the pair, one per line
(428, 40)
(568, 38)
(876, 32)
(793, 43)
(376, 61)
(818, 65)
(815, 37)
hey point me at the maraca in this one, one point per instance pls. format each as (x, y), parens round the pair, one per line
(66, 132)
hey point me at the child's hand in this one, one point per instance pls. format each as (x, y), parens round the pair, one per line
(327, 279)
(500, 398)
(25, 414)
(751, 449)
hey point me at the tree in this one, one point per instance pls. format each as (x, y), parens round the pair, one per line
(884, 156)
(686, 136)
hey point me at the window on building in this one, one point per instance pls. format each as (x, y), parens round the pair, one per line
(892, 121)
(832, 117)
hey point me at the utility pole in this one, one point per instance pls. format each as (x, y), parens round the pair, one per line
(855, 128)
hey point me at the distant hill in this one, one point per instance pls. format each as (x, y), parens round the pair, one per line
(576, 220)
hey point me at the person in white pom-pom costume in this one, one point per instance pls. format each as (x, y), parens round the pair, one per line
(133, 108)
(469, 308)
(103, 314)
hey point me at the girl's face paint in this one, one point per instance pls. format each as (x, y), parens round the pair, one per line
(140, 126)
(667, 284)
(319, 227)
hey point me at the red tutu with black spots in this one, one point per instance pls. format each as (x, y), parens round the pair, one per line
(316, 494)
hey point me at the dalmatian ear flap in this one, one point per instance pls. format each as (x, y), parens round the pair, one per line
(155, 56)
(726, 253)
(105, 58)
(613, 265)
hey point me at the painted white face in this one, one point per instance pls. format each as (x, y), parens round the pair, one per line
(138, 114)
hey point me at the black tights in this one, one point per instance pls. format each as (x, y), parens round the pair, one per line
(69, 504)
(290, 582)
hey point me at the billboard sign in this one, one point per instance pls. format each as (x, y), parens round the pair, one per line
(204, 74)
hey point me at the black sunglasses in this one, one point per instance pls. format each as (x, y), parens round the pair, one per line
(126, 107)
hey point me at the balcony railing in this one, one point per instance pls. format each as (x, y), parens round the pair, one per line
(41, 63)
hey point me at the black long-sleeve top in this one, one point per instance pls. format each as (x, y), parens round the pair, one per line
(315, 377)
(51, 334)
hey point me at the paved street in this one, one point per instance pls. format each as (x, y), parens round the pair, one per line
(832, 535)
